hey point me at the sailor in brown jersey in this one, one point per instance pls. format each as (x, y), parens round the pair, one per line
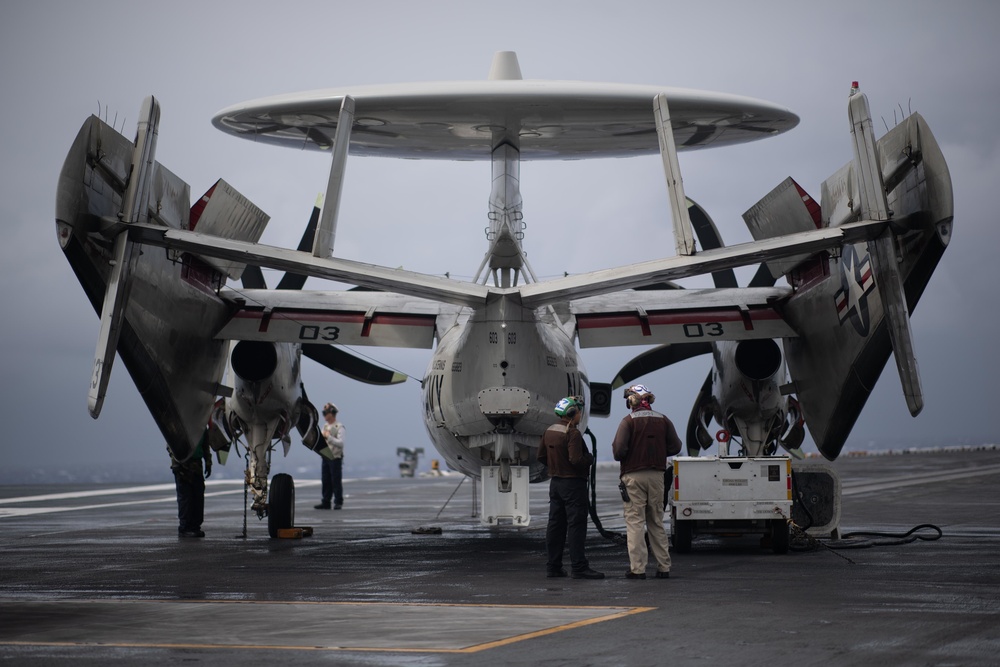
(644, 440)
(562, 450)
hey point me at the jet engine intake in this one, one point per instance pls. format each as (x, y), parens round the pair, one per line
(758, 359)
(254, 361)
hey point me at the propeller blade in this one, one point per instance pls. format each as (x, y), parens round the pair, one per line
(253, 278)
(351, 366)
(657, 358)
(295, 280)
(763, 277)
(694, 425)
(795, 431)
(710, 239)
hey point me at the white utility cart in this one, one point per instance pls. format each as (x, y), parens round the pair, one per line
(727, 495)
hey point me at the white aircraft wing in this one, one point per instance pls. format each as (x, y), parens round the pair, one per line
(656, 317)
(332, 317)
(655, 271)
(532, 295)
(420, 285)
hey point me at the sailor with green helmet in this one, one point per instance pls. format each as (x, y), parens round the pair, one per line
(562, 450)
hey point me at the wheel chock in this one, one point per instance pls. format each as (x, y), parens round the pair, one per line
(295, 533)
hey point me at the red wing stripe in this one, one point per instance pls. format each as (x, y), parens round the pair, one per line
(346, 318)
(611, 320)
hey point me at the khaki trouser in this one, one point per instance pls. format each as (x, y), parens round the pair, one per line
(645, 510)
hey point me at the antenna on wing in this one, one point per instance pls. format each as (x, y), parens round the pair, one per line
(505, 67)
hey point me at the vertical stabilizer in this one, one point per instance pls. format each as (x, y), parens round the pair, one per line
(135, 206)
(884, 262)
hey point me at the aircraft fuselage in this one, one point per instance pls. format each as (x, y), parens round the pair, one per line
(267, 382)
(500, 346)
(746, 390)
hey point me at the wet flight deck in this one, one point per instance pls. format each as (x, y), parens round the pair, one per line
(97, 575)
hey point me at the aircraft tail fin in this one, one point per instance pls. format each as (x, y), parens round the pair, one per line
(852, 311)
(787, 209)
(224, 212)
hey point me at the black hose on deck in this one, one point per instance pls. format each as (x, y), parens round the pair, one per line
(617, 538)
(851, 541)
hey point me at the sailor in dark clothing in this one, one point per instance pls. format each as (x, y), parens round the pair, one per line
(332, 470)
(562, 450)
(190, 483)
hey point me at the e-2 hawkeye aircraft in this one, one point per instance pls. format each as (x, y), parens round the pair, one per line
(505, 343)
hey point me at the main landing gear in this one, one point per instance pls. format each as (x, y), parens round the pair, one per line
(280, 504)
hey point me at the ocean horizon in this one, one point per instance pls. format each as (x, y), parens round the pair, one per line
(146, 472)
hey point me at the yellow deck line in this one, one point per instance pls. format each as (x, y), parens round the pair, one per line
(624, 611)
(557, 628)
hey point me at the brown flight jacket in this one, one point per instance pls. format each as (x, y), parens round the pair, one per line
(563, 452)
(644, 440)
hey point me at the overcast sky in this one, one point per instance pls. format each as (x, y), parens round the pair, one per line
(60, 60)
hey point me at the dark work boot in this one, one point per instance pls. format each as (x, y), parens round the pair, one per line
(588, 574)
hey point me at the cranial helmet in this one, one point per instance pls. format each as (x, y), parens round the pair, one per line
(329, 409)
(569, 406)
(636, 393)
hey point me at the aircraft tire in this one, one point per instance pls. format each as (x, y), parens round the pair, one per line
(779, 536)
(280, 504)
(683, 532)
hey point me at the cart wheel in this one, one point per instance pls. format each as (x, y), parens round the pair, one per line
(683, 531)
(779, 536)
